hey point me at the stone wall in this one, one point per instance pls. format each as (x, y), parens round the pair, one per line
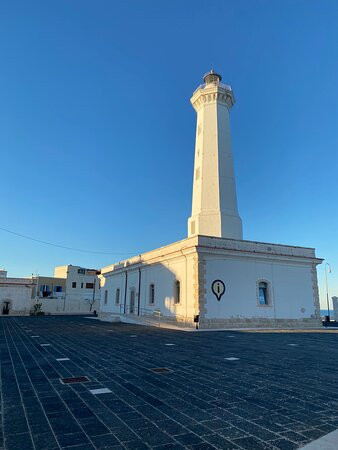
(261, 323)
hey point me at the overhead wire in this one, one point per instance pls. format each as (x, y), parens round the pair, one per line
(65, 247)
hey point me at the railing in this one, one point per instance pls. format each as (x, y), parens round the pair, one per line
(52, 295)
(155, 317)
(215, 83)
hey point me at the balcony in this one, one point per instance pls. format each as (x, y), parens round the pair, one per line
(43, 295)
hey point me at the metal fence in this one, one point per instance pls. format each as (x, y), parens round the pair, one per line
(154, 317)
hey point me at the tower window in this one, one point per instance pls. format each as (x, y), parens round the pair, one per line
(151, 294)
(197, 174)
(263, 293)
(177, 293)
(105, 297)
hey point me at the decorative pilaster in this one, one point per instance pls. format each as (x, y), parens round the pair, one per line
(315, 290)
(199, 288)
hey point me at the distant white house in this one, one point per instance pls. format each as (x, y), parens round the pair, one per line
(73, 289)
(15, 294)
(82, 286)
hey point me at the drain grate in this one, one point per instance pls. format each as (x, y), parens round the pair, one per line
(160, 370)
(71, 380)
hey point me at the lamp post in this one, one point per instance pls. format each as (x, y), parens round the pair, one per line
(327, 265)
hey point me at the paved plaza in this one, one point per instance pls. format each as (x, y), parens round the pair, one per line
(224, 390)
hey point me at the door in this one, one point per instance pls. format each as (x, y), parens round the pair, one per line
(132, 302)
(5, 308)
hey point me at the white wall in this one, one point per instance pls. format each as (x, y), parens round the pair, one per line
(80, 294)
(18, 295)
(239, 264)
(63, 305)
(291, 290)
(163, 276)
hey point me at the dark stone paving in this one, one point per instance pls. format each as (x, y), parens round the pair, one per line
(276, 396)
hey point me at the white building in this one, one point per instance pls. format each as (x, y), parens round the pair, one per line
(214, 274)
(72, 290)
(82, 288)
(15, 295)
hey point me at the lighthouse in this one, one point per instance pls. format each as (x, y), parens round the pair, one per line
(213, 276)
(214, 202)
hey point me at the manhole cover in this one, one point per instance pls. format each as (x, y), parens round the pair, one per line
(160, 370)
(71, 380)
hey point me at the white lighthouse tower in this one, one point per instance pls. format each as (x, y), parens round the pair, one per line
(213, 275)
(214, 203)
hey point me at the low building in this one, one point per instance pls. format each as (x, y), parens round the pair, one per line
(15, 294)
(73, 289)
(227, 282)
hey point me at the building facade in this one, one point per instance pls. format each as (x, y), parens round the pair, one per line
(15, 294)
(265, 285)
(82, 288)
(73, 289)
(214, 274)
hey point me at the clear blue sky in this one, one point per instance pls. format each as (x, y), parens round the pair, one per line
(97, 132)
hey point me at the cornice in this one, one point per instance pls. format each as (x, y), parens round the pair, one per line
(259, 256)
(212, 93)
(171, 251)
(218, 247)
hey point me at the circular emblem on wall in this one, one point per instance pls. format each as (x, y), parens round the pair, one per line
(218, 288)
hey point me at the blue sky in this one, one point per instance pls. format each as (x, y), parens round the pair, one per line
(97, 132)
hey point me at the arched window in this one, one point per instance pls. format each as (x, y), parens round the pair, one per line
(151, 293)
(177, 293)
(117, 296)
(132, 301)
(263, 293)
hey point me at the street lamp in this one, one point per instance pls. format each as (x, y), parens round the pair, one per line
(327, 265)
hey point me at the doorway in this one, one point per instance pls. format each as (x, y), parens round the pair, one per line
(132, 301)
(5, 308)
